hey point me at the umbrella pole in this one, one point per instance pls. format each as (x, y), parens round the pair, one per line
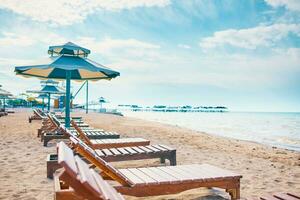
(68, 91)
(87, 98)
(49, 102)
(43, 104)
(4, 104)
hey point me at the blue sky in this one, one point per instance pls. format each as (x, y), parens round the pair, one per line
(241, 54)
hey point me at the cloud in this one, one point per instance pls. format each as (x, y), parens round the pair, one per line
(121, 49)
(27, 38)
(250, 38)
(65, 12)
(184, 46)
(293, 5)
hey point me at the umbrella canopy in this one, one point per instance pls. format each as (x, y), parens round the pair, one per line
(49, 82)
(80, 69)
(42, 96)
(68, 64)
(69, 49)
(47, 90)
(5, 95)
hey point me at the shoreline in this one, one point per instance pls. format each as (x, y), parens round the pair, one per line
(264, 169)
(215, 135)
(227, 135)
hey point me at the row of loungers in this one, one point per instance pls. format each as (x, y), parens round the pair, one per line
(3, 112)
(77, 181)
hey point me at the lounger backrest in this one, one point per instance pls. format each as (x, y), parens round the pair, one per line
(37, 113)
(52, 120)
(42, 113)
(66, 131)
(56, 120)
(90, 154)
(81, 133)
(90, 180)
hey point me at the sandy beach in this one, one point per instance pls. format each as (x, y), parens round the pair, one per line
(264, 169)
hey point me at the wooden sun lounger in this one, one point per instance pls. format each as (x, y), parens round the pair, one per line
(37, 115)
(151, 181)
(115, 153)
(76, 181)
(277, 196)
(61, 121)
(51, 131)
(3, 114)
(112, 143)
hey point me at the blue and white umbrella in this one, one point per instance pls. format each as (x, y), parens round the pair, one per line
(47, 90)
(67, 62)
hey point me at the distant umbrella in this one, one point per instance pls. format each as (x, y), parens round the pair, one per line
(47, 90)
(68, 62)
(5, 95)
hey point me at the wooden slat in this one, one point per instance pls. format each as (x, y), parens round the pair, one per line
(166, 147)
(98, 141)
(142, 175)
(152, 148)
(123, 151)
(99, 152)
(85, 175)
(269, 197)
(115, 151)
(130, 150)
(153, 175)
(176, 173)
(139, 150)
(286, 196)
(218, 171)
(198, 171)
(145, 149)
(107, 191)
(160, 148)
(192, 174)
(294, 195)
(132, 177)
(66, 158)
(163, 174)
(107, 152)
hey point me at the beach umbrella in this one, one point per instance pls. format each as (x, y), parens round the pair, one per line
(43, 97)
(67, 62)
(48, 90)
(4, 95)
(101, 101)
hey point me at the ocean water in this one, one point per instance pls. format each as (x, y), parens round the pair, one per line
(275, 129)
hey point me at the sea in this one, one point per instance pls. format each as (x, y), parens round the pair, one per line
(274, 129)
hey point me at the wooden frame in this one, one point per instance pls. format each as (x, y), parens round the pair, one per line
(37, 115)
(50, 130)
(277, 196)
(76, 181)
(164, 180)
(126, 142)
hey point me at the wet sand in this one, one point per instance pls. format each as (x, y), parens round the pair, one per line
(264, 169)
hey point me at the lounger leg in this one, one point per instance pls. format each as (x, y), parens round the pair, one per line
(29, 119)
(46, 140)
(162, 160)
(234, 193)
(42, 136)
(172, 158)
(39, 132)
(52, 165)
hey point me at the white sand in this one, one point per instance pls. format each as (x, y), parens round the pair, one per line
(264, 169)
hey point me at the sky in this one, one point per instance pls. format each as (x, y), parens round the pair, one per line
(241, 54)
